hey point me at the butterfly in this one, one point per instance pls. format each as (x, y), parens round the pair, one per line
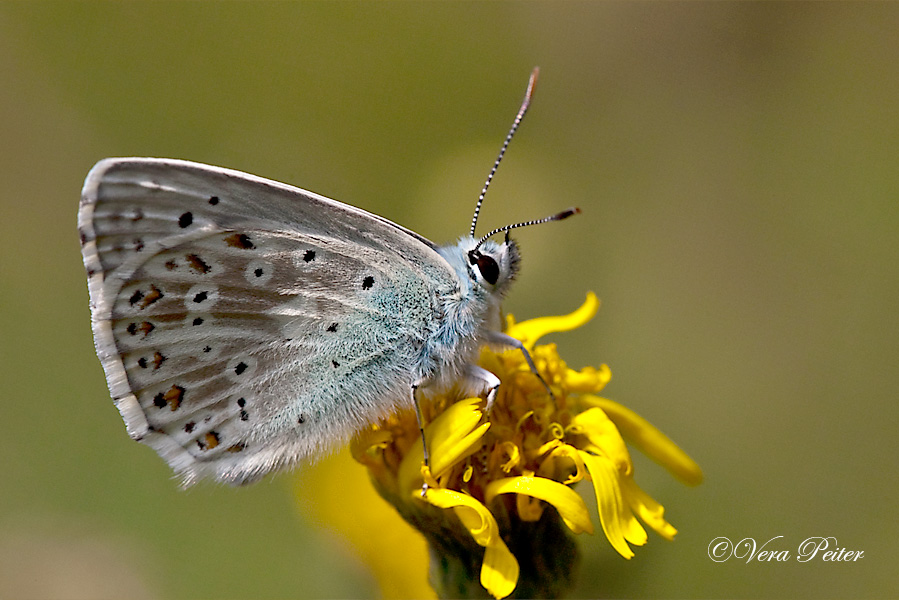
(246, 325)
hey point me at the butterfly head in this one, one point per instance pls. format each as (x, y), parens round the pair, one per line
(494, 265)
(491, 264)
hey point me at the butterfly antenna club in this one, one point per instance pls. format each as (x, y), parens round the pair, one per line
(518, 118)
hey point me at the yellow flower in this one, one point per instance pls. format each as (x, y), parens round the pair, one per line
(506, 475)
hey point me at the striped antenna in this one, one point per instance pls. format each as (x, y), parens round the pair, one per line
(556, 217)
(521, 112)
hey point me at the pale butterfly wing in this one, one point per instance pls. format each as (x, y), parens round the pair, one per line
(244, 324)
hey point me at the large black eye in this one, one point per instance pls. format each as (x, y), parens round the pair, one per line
(488, 268)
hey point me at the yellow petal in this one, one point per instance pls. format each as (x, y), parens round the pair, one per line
(550, 466)
(474, 515)
(588, 379)
(366, 448)
(511, 450)
(603, 437)
(633, 531)
(548, 447)
(651, 512)
(454, 449)
(630, 526)
(569, 504)
(453, 435)
(608, 500)
(655, 444)
(533, 329)
(499, 571)
(528, 508)
(366, 440)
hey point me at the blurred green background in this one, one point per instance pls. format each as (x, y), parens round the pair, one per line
(737, 165)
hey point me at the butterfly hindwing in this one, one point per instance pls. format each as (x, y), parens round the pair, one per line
(245, 324)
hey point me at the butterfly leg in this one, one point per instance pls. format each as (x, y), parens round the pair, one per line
(476, 381)
(480, 380)
(421, 430)
(501, 339)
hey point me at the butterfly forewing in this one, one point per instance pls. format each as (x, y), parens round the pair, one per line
(245, 324)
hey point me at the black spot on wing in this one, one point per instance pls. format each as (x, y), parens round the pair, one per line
(209, 441)
(197, 264)
(172, 398)
(145, 328)
(157, 360)
(240, 240)
(145, 299)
